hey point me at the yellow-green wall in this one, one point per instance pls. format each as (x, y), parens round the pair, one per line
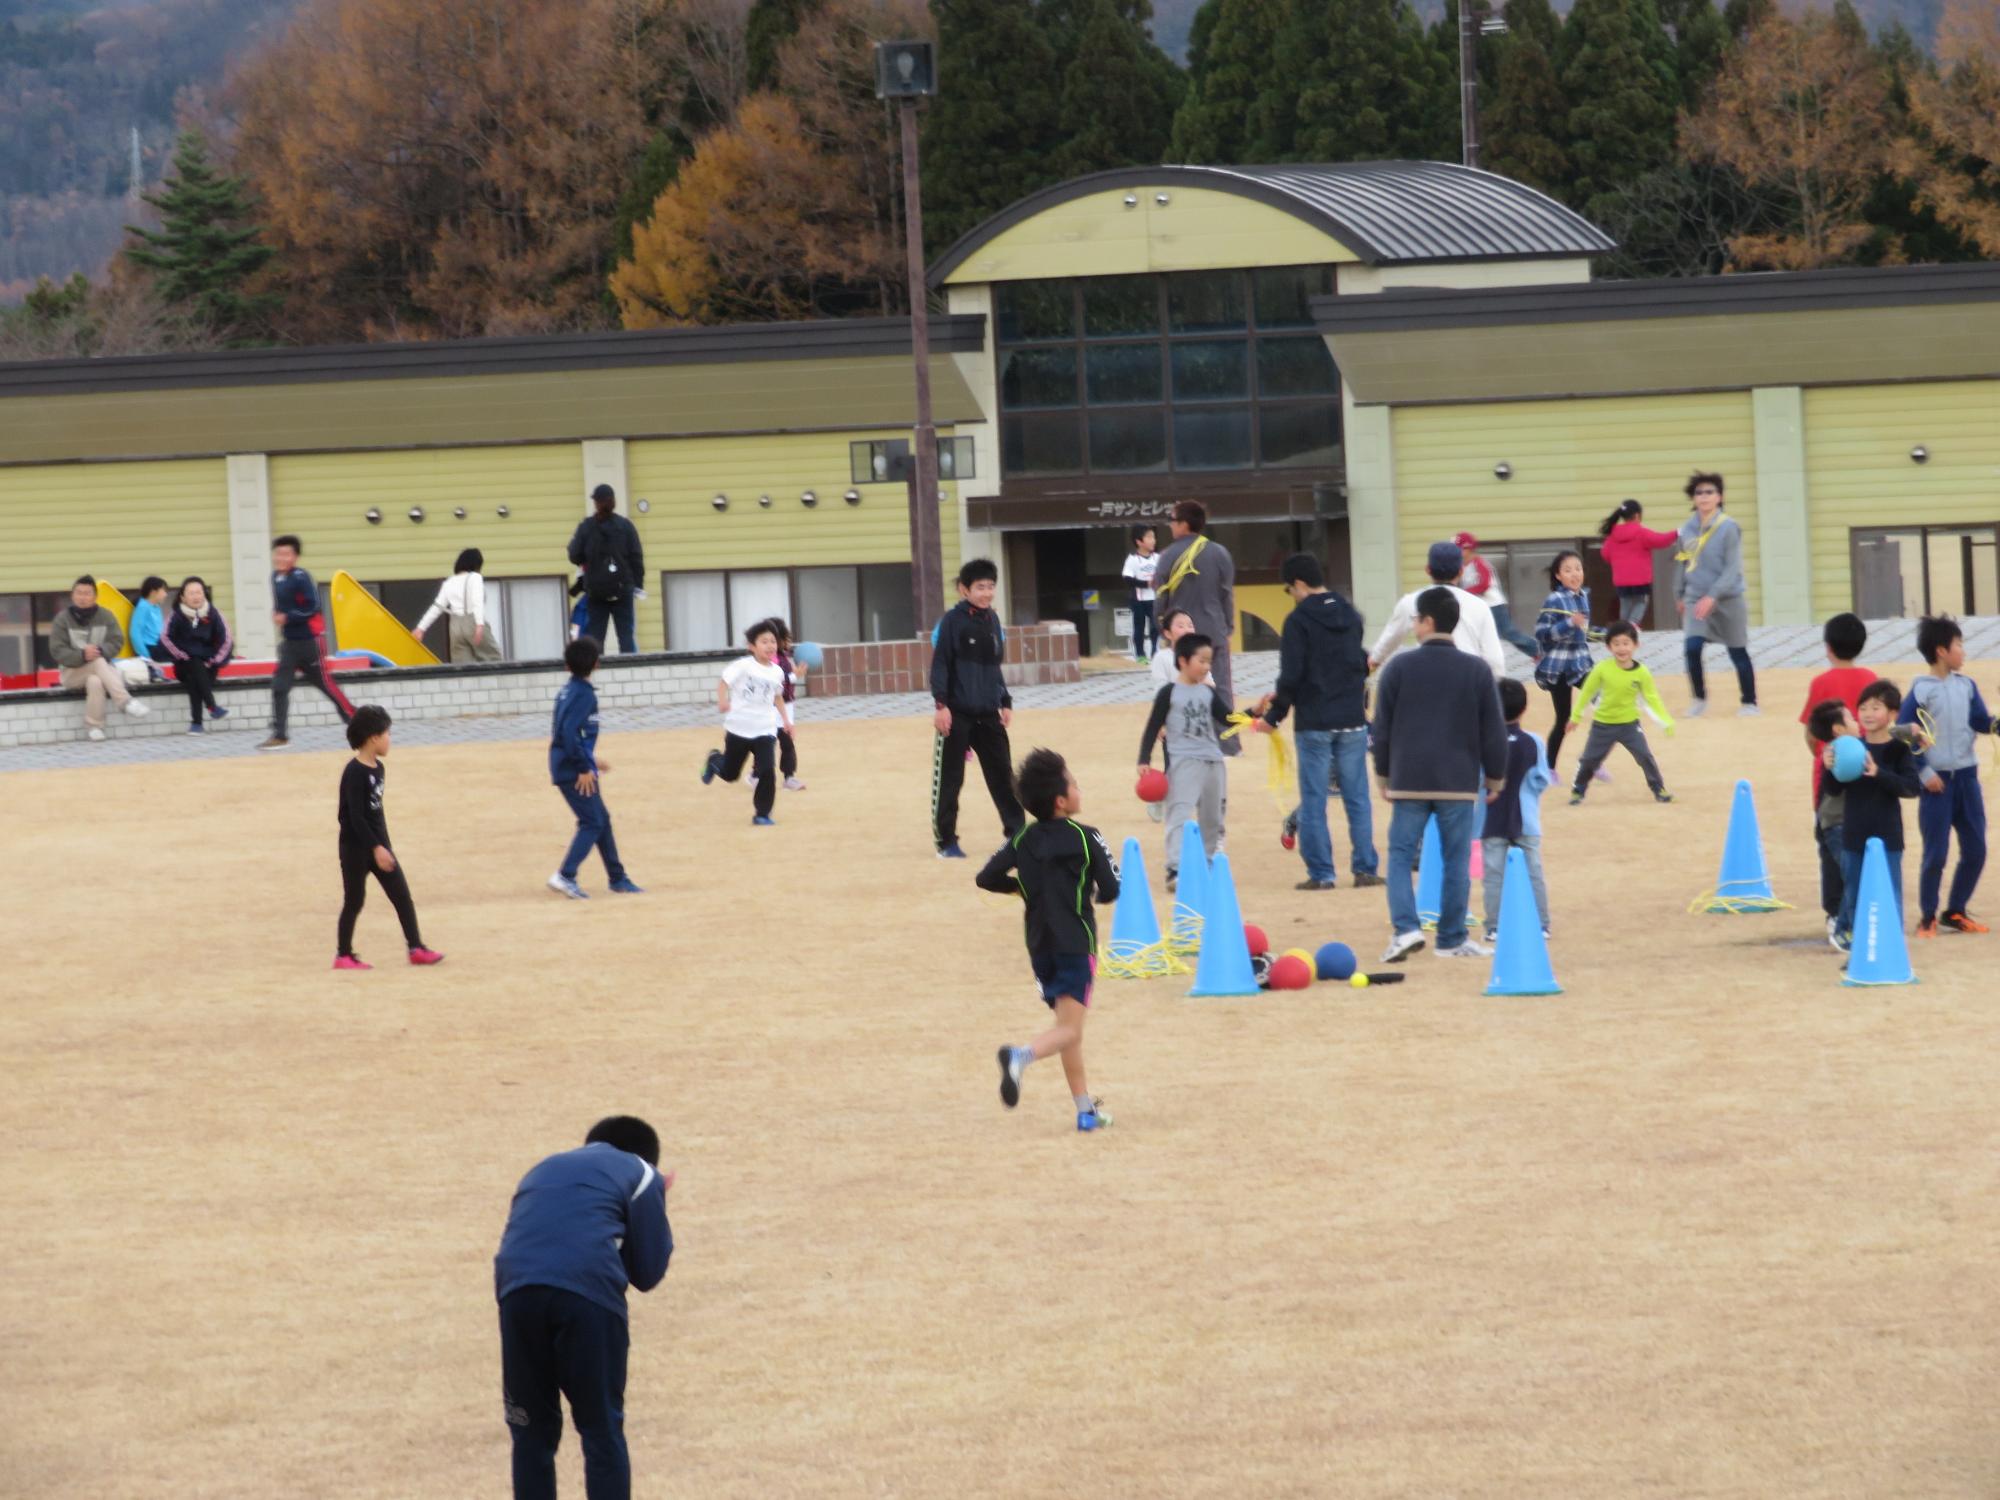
(1572, 462)
(1859, 473)
(119, 521)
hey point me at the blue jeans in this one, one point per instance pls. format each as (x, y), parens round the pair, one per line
(1407, 818)
(1503, 624)
(1850, 870)
(607, 612)
(1145, 633)
(1342, 753)
(1961, 809)
(1739, 657)
(593, 831)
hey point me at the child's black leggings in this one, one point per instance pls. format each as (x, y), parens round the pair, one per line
(788, 755)
(1563, 696)
(356, 865)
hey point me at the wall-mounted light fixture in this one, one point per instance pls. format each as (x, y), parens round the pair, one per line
(373, 516)
(764, 501)
(458, 512)
(1131, 200)
(809, 499)
(1161, 198)
(852, 497)
(501, 511)
(645, 506)
(1920, 454)
(417, 514)
(1503, 471)
(720, 502)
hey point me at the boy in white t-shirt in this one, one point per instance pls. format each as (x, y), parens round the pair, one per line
(751, 696)
(1140, 565)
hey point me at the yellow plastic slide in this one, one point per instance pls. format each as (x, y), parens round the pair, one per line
(119, 605)
(361, 622)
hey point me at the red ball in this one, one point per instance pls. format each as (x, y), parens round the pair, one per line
(1291, 973)
(1254, 936)
(1152, 785)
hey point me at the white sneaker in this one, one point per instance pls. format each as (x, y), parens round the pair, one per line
(793, 784)
(1470, 948)
(1749, 711)
(95, 734)
(136, 709)
(1401, 946)
(1696, 709)
(562, 886)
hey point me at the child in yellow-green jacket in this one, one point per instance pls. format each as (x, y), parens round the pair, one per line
(1615, 684)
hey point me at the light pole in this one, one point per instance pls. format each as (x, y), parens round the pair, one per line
(1474, 21)
(907, 72)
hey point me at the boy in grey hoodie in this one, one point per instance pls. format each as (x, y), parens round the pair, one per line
(84, 639)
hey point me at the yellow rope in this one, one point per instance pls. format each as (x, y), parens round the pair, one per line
(1737, 906)
(1277, 770)
(1128, 960)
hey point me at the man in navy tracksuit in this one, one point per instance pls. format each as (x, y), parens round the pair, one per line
(294, 607)
(583, 1224)
(973, 707)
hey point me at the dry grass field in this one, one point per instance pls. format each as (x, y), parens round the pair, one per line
(1706, 1225)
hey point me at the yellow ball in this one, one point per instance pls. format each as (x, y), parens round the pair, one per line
(1304, 955)
(1359, 981)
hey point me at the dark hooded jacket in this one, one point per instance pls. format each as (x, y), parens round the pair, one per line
(1322, 665)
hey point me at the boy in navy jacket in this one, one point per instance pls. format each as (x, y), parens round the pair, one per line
(972, 706)
(574, 769)
(301, 648)
(583, 1225)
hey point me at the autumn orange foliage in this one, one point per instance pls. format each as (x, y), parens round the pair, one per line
(1800, 111)
(1954, 155)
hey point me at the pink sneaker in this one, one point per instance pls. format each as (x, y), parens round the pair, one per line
(349, 961)
(425, 956)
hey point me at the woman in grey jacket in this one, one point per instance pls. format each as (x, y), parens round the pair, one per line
(1711, 597)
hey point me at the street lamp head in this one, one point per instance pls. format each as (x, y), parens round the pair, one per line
(905, 70)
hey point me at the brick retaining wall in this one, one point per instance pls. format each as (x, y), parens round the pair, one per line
(1036, 655)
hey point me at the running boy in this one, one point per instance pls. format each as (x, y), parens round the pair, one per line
(1191, 712)
(1873, 801)
(574, 768)
(1842, 681)
(1954, 715)
(364, 840)
(1057, 866)
(1514, 813)
(973, 706)
(751, 697)
(1616, 684)
(301, 645)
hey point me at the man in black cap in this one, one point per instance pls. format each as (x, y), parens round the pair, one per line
(606, 546)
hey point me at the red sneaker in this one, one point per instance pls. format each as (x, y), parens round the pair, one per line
(1927, 928)
(349, 961)
(1958, 921)
(425, 956)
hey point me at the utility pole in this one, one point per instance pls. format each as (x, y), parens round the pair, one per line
(1474, 21)
(906, 72)
(136, 185)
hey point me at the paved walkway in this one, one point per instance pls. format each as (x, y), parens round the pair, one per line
(1773, 647)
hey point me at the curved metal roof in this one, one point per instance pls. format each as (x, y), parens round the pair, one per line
(1386, 212)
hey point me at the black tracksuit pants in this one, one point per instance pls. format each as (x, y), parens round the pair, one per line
(986, 736)
(356, 865)
(554, 1343)
(762, 754)
(307, 656)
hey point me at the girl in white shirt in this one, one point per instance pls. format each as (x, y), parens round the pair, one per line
(751, 696)
(463, 598)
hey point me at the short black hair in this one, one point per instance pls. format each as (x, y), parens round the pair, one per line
(288, 540)
(153, 581)
(1620, 629)
(1513, 699)
(1140, 533)
(1187, 645)
(1302, 567)
(1440, 607)
(1042, 777)
(581, 654)
(1168, 618)
(1556, 567)
(1884, 692)
(627, 1133)
(1935, 633)
(87, 578)
(1191, 514)
(471, 560)
(1845, 636)
(1826, 717)
(760, 627)
(978, 570)
(369, 720)
(780, 629)
(1701, 477)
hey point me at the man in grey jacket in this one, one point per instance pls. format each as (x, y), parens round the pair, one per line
(1438, 733)
(1197, 574)
(84, 639)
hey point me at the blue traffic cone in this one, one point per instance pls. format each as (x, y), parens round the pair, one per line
(1224, 966)
(1879, 954)
(1430, 876)
(1521, 958)
(1190, 888)
(1134, 924)
(1744, 885)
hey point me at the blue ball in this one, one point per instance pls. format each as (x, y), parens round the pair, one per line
(1850, 756)
(809, 655)
(1334, 961)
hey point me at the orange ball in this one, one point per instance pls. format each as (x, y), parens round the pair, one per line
(1291, 973)
(1254, 936)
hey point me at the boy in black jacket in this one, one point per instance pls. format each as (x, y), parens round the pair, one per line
(1057, 867)
(974, 707)
(364, 840)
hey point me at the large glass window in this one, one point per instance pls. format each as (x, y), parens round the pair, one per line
(708, 611)
(24, 632)
(1926, 570)
(1100, 375)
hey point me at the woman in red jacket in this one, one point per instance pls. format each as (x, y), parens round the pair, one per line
(1629, 549)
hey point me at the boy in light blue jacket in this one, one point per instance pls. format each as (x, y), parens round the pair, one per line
(1514, 813)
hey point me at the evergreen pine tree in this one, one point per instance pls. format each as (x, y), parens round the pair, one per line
(1521, 130)
(1238, 105)
(1372, 83)
(1616, 66)
(207, 246)
(769, 25)
(991, 136)
(1119, 92)
(657, 168)
(1701, 36)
